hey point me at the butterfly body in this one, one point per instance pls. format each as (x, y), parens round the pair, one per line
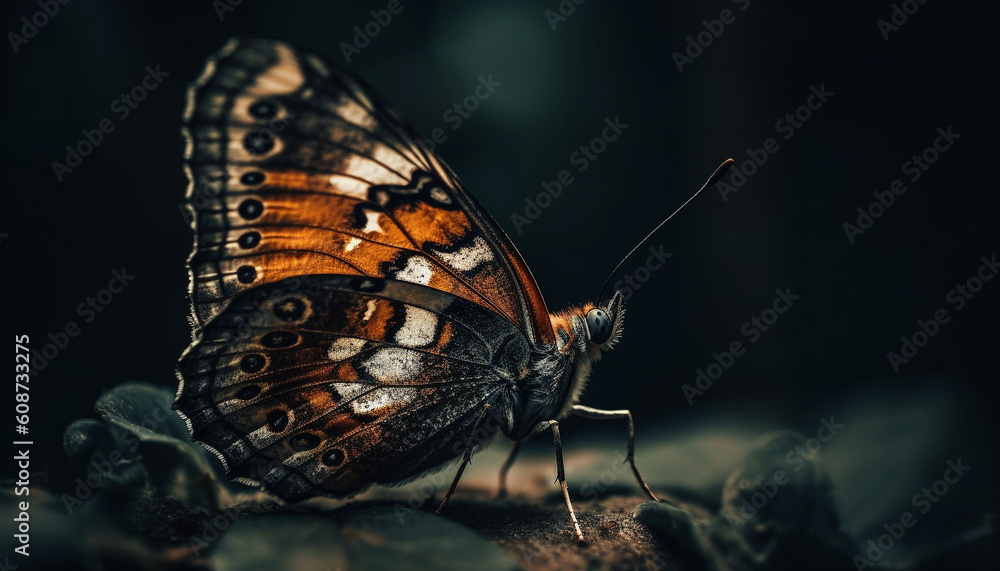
(559, 373)
(357, 316)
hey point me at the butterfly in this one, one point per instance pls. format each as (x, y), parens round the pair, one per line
(358, 317)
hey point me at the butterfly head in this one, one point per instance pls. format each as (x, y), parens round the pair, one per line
(605, 323)
(587, 332)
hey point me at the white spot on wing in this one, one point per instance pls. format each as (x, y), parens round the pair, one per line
(381, 398)
(352, 244)
(369, 310)
(371, 222)
(354, 113)
(392, 159)
(368, 170)
(417, 271)
(365, 398)
(344, 348)
(349, 186)
(418, 328)
(469, 257)
(393, 364)
(440, 195)
(351, 389)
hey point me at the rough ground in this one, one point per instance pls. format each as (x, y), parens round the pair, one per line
(165, 505)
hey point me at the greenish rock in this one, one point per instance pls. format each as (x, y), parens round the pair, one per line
(373, 538)
(142, 448)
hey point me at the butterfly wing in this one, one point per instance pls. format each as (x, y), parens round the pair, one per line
(327, 383)
(354, 308)
(298, 168)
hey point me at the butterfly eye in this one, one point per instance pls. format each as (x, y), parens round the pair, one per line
(599, 326)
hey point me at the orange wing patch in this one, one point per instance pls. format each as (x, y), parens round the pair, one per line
(297, 168)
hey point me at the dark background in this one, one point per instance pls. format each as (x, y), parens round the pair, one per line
(783, 228)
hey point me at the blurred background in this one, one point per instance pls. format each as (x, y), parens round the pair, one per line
(562, 69)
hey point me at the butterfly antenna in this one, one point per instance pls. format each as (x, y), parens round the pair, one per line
(721, 170)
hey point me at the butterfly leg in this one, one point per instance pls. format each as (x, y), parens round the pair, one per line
(469, 445)
(553, 425)
(598, 414)
(511, 457)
